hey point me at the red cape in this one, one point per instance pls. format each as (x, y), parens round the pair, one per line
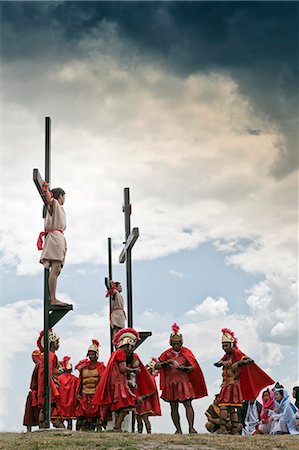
(103, 397)
(152, 403)
(68, 389)
(196, 376)
(253, 379)
(31, 409)
(54, 390)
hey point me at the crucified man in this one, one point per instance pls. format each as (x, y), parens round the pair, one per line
(54, 249)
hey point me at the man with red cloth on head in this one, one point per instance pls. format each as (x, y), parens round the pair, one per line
(91, 371)
(54, 367)
(114, 391)
(31, 409)
(148, 405)
(242, 380)
(68, 391)
(181, 379)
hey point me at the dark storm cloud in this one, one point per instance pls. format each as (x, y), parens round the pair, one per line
(255, 42)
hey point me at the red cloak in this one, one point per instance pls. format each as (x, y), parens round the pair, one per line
(113, 390)
(31, 410)
(195, 377)
(69, 384)
(54, 390)
(151, 405)
(253, 379)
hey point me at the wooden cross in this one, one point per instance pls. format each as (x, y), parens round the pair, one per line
(126, 256)
(126, 253)
(52, 314)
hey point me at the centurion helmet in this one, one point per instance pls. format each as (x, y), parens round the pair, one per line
(126, 336)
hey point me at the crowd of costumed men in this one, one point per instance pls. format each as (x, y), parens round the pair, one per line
(101, 396)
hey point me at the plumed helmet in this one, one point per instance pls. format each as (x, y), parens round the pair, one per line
(228, 336)
(65, 363)
(52, 338)
(175, 336)
(126, 336)
(36, 354)
(151, 366)
(94, 347)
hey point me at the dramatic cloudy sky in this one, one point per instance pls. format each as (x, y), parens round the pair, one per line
(194, 106)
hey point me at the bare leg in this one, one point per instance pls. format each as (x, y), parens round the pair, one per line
(234, 421)
(119, 417)
(210, 427)
(147, 423)
(52, 282)
(114, 331)
(190, 415)
(139, 423)
(41, 422)
(79, 424)
(29, 429)
(175, 416)
(69, 424)
(223, 420)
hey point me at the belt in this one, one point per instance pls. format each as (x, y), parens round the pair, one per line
(42, 234)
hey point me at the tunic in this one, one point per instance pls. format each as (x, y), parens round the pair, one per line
(178, 385)
(118, 315)
(244, 383)
(55, 243)
(231, 394)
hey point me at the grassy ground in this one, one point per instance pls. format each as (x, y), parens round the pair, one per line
(55, 440)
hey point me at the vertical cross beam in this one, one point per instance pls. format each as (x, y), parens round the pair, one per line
(110, 278)
(126, 253)
(127, 211)
(47, 389)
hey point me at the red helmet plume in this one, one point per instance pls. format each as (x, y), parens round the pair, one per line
(175, 328)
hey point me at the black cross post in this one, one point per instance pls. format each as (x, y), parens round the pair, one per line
(108, 288)
(52, 314)
(126, 256)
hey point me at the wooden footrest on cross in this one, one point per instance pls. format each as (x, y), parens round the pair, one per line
(143, 335)
(57, 312)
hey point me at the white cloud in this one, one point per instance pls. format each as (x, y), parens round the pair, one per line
(209, 308)
(176, 274)
(103, 136)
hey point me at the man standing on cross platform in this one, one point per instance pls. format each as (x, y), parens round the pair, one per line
(117, 313)
(54, 250)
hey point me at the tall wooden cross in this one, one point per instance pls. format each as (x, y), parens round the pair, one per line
(52, 314)
(126, 256)
(107, 279)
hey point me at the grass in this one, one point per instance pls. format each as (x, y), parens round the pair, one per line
(63, 440)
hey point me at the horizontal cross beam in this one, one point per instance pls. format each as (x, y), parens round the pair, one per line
(132, 238)
(39, 183)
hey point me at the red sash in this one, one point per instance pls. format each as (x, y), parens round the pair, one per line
(41, 235)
